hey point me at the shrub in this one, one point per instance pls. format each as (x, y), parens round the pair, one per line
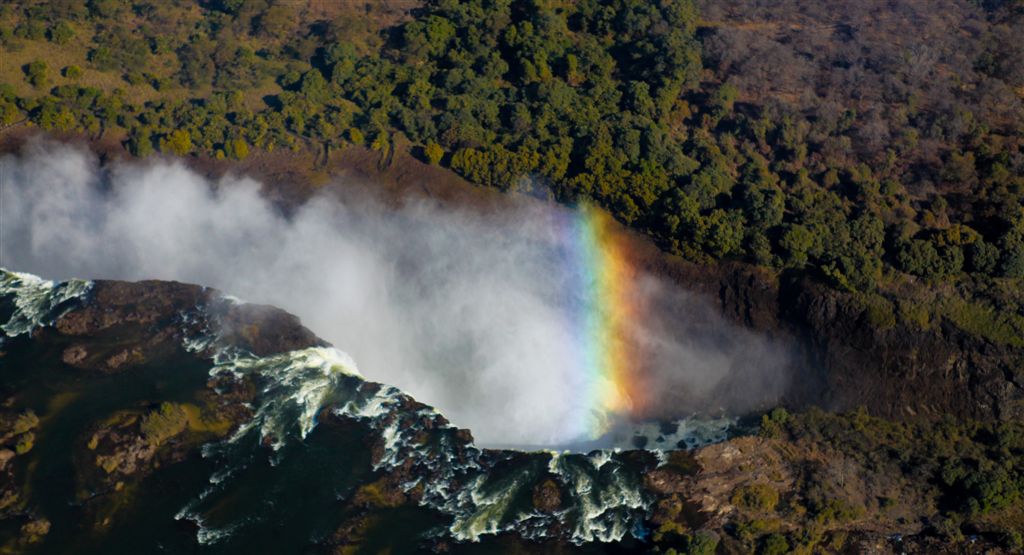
(880, 311)
(772, 423)
(61, 33)
(35, 74)
(774, 544)
(702, 543)
(102, 58)
(25, 443)
(355, 136)
(434, 152)
(237, 149)
(756, 497)
(982, 257)
(177, 142)
(140, 144)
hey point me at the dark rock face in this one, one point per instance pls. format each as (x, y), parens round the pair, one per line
(900, 372)
(130, 323)
(547, 497)
(264, 330)
(843, 361)
(151, 304)
(124, 324)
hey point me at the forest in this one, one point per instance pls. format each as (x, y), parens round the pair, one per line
(876, 146)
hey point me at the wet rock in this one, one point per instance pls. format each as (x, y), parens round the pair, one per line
(74, 355)
(130, 304)
(842, 361)
(35, 530)
(464, 436)
(131, 444)
(547, 496)
(347, 538)
(16, 438)
(8, 495)
(127, 324)
(263, 330)
(718, 488)
(16, 431)
(384, 493)
(13, 424)
(5, 456)
(729, 466)
(123, 357)
(665, 481)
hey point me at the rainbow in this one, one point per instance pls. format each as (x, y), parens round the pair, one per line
(606, 309)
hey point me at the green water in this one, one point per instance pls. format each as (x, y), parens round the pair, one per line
(69, 402)
(274, 502)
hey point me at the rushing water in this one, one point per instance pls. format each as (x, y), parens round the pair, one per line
(275, 480)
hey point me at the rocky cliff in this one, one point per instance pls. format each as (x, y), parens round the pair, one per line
(155, 416)
(852, 353)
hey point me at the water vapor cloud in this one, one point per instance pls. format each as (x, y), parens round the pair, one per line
(466, 312)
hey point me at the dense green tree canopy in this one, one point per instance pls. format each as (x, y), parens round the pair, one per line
(675, 119)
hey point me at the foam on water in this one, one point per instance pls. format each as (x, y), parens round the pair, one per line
(686, 433)
(296, 386)
(604, 498)
(38, 302)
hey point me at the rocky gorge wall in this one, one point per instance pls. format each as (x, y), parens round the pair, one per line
(844, 358)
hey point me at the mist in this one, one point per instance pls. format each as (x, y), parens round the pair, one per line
(466, 312)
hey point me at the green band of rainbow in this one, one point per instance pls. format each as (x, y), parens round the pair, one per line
(607, 307)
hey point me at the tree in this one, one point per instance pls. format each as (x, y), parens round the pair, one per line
(775, 544)
(313, 86)
(278, 21)
(702, 543)
(764, 206)
(1012, 262)
(724, 98)
(140, 143)
(72, 72)
(237, 149)
(721, 232)
(9, 112)
(434, 152)
(35, 74)
(197, 65)
(982, 257)
(355, 136)
(61, 33)
(429, 36)
(920, 257)
(177, 142)
(796, 241)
